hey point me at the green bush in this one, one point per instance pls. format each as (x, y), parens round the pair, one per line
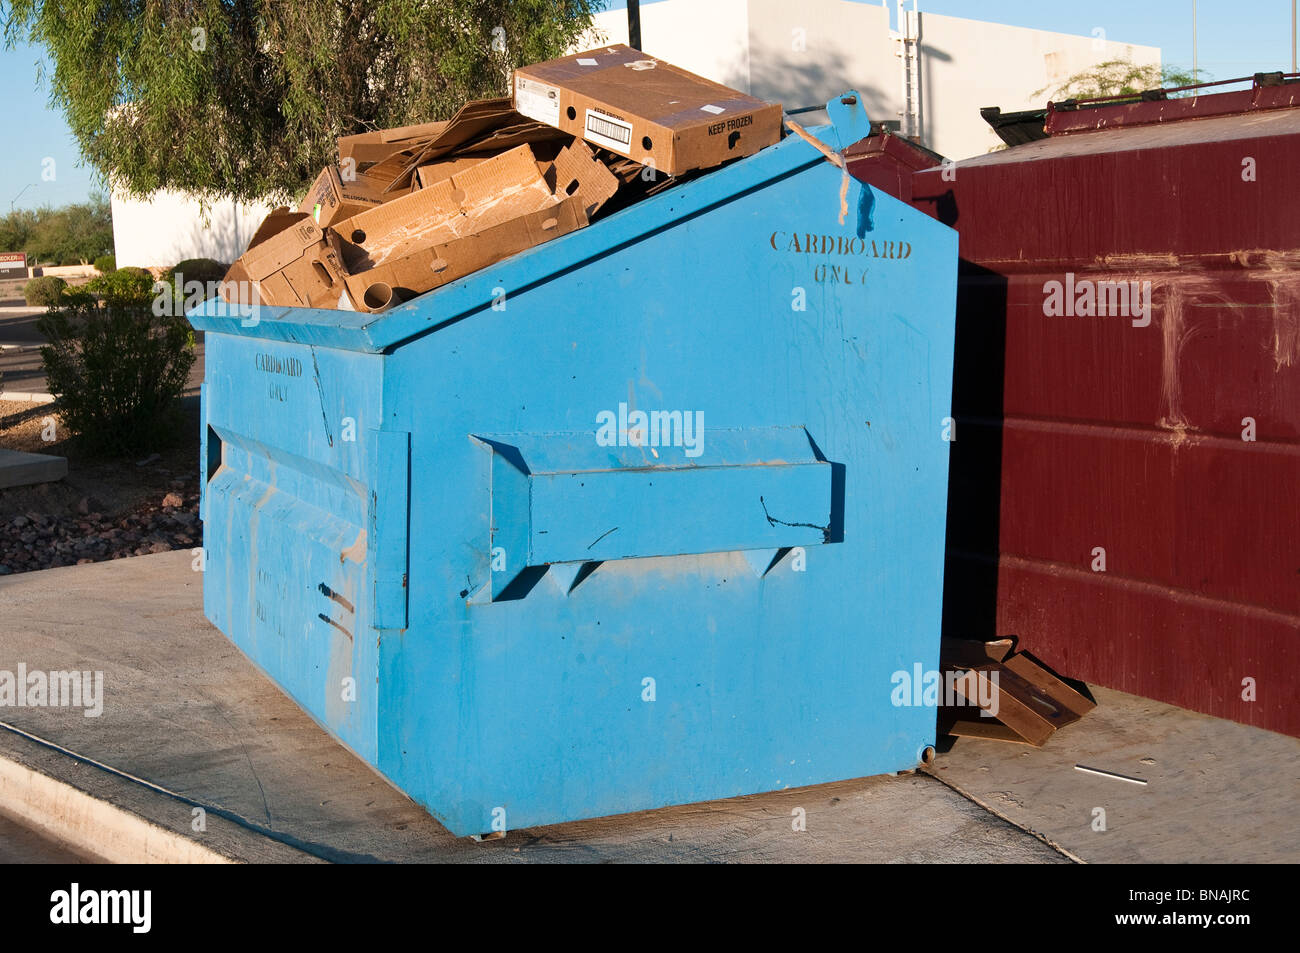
(118, 371)
(124, 286)
(198, 269)
(105, 263)
(194, 281)
(45, 291)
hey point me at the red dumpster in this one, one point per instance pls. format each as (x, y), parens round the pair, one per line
(1125, 478)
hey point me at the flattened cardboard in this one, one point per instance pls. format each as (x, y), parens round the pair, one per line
(486, 194)
(289, 263)
(367, 148)
(1031, 703)
(646, 109)
(470, 122)
(432, 266)
(331, 198)
(577, 171)
(427, 175)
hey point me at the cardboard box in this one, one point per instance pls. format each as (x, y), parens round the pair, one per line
(331, 198)
(367, 148)
(431, 266)
(622, 100)
(483, 127)
(434, 172)
(458, 224)
(1021, 701)
(289, 263)
(486, 194)
(577, 171)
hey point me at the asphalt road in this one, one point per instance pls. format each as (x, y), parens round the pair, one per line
(20, 361)
(20, 327)
(19, 845)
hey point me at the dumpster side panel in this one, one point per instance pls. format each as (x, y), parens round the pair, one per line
(678, 673)
(287, 508)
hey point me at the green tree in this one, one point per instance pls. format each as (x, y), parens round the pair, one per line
(16, 229)
(77, 233)
(244, 98)
(1119, 78)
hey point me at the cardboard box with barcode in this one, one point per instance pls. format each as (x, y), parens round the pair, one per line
(622, 100)
(422, 240)
(291, 262)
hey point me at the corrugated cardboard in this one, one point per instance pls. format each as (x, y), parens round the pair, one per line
(577, 171)
(1031, 704)
(622, 100)
(471, 120)
(331, 198)
(484, 127)
(432, 266)
(367, 148)
(289, 263)
(488, 193)
(427, 175)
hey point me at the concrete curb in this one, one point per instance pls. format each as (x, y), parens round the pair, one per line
(19, 396)
(90, 825)
(115, 818)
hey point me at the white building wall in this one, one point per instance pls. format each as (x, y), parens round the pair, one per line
(172, 227)
(968, 64)
(803, 53)
(707, 37)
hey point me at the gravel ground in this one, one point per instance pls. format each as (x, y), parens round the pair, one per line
(103, 509)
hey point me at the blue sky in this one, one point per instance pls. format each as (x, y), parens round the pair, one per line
(1235, 38)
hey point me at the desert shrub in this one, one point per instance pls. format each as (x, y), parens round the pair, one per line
(194, 281)
(105, 263)
(198, 269)
(44, 291)
(124, 286)
(118, 371)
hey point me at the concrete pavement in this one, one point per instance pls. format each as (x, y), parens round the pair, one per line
(189, 725)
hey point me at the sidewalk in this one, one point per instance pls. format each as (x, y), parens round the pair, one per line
(189, 723)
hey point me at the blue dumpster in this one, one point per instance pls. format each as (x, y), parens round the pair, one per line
(647, 515)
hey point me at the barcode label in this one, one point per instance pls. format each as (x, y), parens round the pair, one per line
(608, 132)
